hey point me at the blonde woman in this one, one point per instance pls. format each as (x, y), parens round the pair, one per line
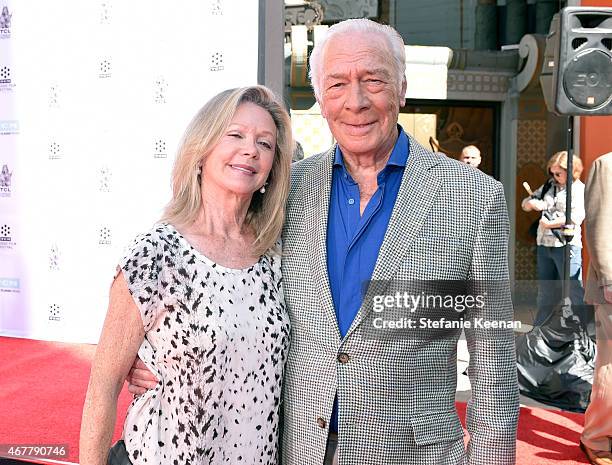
(550, 199)
(199, 300)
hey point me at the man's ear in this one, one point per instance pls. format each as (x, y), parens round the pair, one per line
(402, 96)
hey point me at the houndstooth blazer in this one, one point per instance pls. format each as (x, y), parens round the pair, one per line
(397, 394)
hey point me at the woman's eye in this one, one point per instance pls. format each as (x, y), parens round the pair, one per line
(234, 134)
(266, 144)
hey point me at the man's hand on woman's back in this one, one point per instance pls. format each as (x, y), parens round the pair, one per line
(140, 379)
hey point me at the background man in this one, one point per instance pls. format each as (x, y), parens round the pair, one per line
(470, 155)
(597, 434)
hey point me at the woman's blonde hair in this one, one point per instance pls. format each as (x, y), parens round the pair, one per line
(266, 213)
(560, 158)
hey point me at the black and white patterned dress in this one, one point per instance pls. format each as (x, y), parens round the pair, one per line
(217, 340)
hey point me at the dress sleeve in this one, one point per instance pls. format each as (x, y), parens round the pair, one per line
(141, 267)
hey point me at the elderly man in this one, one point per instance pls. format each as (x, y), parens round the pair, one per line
(597, 435)
(470, 155)
(378, 207)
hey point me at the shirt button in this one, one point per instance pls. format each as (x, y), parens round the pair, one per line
(321, 422)
(351, 201)
(343, 358)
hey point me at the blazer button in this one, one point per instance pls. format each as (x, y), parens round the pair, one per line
(343, 358)
(321, 422)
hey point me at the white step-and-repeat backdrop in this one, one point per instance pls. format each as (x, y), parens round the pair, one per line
(94, 97)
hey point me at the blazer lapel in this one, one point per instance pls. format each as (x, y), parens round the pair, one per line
(414, 200)
(315, 190)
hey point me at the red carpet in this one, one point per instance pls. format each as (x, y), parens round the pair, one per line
(42, 391)
(43, 384)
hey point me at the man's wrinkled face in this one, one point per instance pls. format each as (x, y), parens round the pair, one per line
(360, 96)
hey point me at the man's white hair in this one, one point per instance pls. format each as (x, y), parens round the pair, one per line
(362, 25)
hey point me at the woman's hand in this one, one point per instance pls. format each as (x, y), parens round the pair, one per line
(557, 222)
(529, 204)
(534, 205)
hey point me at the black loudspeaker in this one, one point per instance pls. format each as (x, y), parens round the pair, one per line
(576, 73)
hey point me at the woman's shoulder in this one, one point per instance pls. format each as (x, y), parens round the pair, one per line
(577, 189)
(159, 232)
(159, 238)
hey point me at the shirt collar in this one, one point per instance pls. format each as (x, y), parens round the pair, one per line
(398, 157)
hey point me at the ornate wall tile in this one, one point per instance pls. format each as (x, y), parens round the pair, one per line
(481, 84)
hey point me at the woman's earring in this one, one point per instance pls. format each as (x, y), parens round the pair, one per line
(199, 170)
(263, 189)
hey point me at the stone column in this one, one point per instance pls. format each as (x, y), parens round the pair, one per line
(486, 25)
(512, 20)
(544, 11)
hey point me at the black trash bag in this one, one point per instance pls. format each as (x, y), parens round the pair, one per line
(556, 361)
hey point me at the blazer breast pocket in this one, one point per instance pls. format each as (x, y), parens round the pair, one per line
(438, 257)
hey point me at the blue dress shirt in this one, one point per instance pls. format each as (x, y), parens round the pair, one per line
(353, 240)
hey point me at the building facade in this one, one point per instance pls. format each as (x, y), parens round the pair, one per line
(473, 69)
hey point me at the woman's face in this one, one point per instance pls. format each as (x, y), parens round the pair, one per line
(559, 174)
(242, 159)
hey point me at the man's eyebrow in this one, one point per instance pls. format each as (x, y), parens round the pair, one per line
(380, 71)
(335, 76)
(376, 71)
